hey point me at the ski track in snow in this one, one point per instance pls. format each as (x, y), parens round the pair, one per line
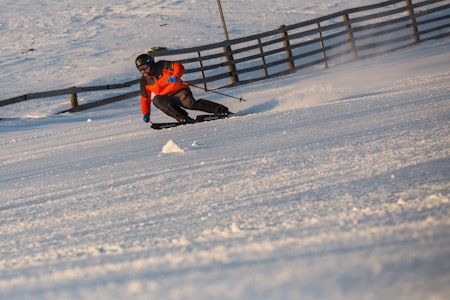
(323, 186)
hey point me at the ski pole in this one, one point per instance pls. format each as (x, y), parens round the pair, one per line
(214, 91)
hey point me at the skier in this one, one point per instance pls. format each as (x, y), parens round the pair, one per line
(171, 94)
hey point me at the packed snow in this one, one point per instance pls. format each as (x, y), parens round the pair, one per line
(326, 184)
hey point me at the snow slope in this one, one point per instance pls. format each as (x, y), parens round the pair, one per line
(328, 184)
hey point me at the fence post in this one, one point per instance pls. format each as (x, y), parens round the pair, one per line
(287, 45)
(350, 37)
(202, 71)
(322, 46)
(412, 21)
(73, 100)
(261, 50)
(231, 67)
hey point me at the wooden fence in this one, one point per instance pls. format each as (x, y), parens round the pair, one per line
(337, 38)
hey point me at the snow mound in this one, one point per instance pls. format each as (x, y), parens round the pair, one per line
(172, 147)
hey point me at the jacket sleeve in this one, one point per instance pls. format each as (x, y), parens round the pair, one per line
(145, 97)
(145, 105)
(178, 69)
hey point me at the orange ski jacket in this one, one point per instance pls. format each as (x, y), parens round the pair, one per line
(157, 82)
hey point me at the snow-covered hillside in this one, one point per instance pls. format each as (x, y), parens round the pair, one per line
(328, 184)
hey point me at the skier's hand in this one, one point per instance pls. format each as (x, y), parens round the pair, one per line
(172, 79)
(146, 118)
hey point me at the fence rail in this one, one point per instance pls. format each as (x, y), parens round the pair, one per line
(334, 39)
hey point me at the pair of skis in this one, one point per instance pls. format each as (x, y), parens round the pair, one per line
(198, 119)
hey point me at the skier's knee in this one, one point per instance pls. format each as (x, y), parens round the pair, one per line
(159, 101)
(188, 101)
(186, 98)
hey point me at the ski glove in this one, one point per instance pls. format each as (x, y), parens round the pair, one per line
(172, 79)
(146, 118)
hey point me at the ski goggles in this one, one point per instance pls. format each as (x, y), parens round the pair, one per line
(143, 67)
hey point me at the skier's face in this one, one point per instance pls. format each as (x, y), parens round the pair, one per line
(144, 69)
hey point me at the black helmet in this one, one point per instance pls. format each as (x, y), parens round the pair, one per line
(143, 59)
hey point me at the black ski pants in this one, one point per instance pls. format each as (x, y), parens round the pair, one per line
(173, 105)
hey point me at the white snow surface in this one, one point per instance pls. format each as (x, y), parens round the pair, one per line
(327, 184)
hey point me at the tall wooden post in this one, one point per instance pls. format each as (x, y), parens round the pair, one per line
(287, 45)
(350, 37)
(231, 67)
(412, 21)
